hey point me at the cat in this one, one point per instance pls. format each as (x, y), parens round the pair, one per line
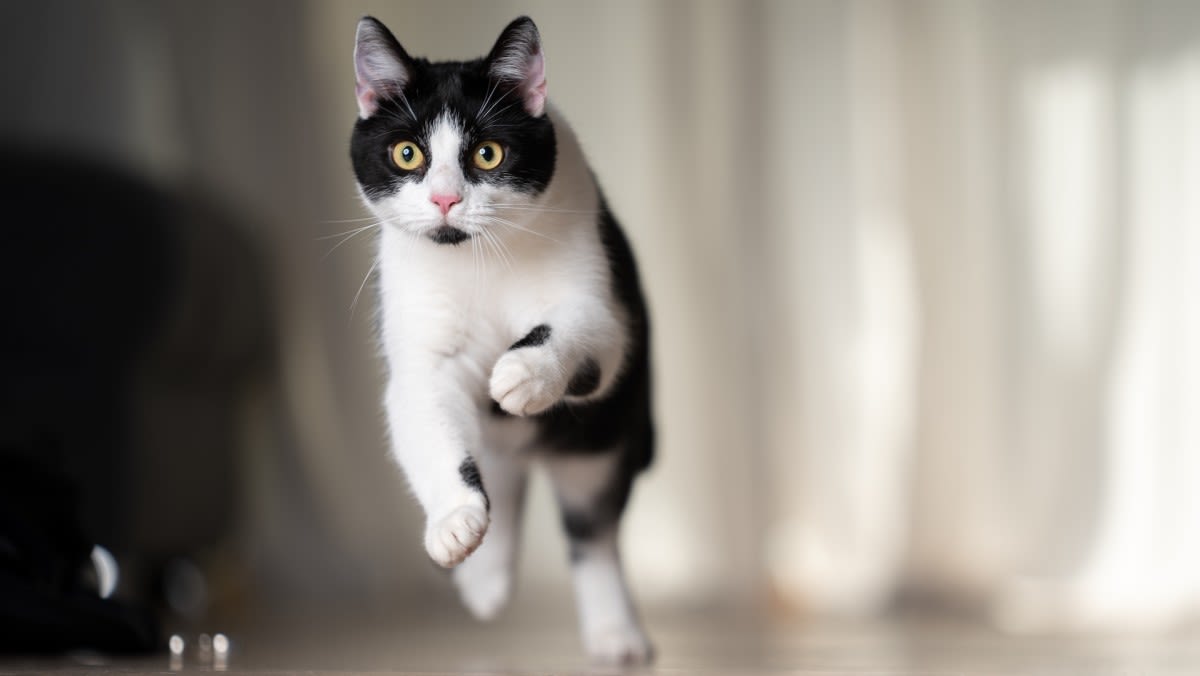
(512, 319)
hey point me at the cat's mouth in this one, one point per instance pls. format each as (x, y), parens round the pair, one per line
(448, 234)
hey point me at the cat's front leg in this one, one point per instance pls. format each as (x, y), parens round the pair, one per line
(434, 430)
(574, 353)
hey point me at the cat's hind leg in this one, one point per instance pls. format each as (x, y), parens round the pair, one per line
(485, 578)
(592, 490)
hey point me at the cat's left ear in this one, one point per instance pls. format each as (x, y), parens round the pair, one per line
(517, 60)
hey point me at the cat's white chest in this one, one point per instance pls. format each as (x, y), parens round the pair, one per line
(456, 305)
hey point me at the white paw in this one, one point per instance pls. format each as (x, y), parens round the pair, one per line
(452, 538)
(624, 645)
(484, 588)
(527, 381)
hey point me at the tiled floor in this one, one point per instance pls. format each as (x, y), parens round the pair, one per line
(695, 643)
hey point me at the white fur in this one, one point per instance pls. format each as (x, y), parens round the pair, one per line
(611, 633)
(449, 315)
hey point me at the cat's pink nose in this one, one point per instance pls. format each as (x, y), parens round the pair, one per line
(444, 202)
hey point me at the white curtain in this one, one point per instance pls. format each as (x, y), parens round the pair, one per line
(923, 277)
(999, 345)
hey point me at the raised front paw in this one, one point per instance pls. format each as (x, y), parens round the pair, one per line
(453, 537)
(527, 381)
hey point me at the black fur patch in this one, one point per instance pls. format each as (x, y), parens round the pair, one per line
(622, 418)
(469, 472)
(535, 338)
(579, 525)
(485, 109)
(605, 509)
(586, 379)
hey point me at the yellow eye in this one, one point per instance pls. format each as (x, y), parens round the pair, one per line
(488, 155)
(407, 156)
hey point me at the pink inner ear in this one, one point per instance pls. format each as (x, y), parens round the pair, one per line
(368, 100)
(534, 87)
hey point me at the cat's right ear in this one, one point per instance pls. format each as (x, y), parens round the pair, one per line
(381, 66)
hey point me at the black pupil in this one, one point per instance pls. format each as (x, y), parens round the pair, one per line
(487, 153)
(407, 153)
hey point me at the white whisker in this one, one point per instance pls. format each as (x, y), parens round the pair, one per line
(498, 247)
(346, 237)
(538, 209)
(487, 98)
(355, 231)
(484, 117)
(496, 113)
(510, 224)
(404, 99)
(478, 262)
(354, 303)
(350, 220)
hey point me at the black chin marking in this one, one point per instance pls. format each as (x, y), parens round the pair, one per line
(448, 234)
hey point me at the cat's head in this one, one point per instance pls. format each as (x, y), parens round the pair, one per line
(448, 150)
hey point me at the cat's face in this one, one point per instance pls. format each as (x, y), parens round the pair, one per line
(449, 151)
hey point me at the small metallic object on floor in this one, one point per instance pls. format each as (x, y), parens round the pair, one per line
(108, 573)
(176, 645)
(220, 644)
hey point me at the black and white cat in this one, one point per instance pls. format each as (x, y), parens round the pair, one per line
(513, 322)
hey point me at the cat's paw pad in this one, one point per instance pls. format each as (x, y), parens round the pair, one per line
(453, 537)
(527, 382)
(484, 589)
(621, 646)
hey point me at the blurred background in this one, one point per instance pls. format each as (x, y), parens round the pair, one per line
(924, 279)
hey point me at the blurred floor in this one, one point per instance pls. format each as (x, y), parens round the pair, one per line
(699, 643)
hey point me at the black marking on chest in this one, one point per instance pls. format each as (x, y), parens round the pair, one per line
(535, 338)
(586, 379)
(469, 472)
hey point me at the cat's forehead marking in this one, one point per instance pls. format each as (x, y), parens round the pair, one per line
(445, 138)
(445, 148)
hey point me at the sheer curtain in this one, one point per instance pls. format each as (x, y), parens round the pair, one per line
(1005, 362)
(923, 281)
